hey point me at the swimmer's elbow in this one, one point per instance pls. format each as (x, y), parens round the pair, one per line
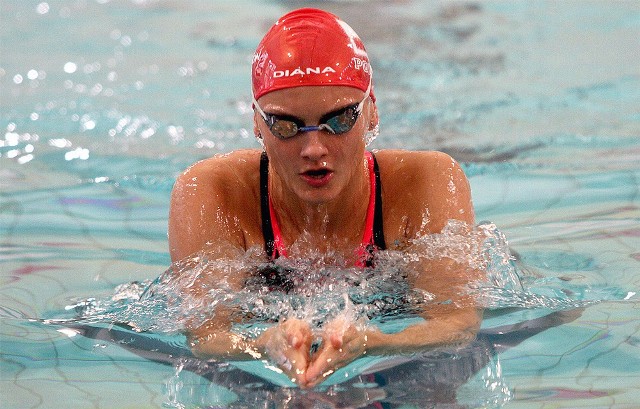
(211, 347)
(467, 335)
(458, 329)
(466, 319)
(468, 327)
(197, 345)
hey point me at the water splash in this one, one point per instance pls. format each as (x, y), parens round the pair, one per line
(320, 286)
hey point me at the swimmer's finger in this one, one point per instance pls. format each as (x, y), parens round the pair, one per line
(298, 333)
(287, 346)
(326, 361)
(338, 330)
(294, 364)
(338, 349)
(336, 340)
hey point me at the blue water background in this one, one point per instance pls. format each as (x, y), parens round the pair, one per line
(103, 103)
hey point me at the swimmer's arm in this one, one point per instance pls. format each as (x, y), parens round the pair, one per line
(342, 345)
(210, 336)
(286, 344)
(213, 338)
(443, 190)
(456, 329)
(451, 319)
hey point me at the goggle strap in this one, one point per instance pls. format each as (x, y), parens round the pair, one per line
(256, 106)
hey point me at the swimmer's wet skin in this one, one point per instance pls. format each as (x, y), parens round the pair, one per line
(314, 114)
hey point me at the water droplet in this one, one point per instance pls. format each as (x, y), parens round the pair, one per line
(96, 89)
(70, 67)
(88, 125)
(60, 143)
(78, 153)
(24, 159)
(42, 8)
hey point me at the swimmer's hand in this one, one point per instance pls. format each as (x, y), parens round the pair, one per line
(287, 345)
(342, 343)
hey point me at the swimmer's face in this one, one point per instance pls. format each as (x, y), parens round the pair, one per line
(315, 166)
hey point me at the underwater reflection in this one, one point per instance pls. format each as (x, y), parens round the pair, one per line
(464, 377)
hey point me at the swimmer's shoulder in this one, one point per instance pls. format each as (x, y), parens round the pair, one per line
(233, 165)
(420, 183)
(225, 173)
(229, 182)
(213, 204)
(406, 167)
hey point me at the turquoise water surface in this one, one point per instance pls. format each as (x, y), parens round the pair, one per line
(103, 103)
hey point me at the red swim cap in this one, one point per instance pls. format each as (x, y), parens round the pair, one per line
(309, 47)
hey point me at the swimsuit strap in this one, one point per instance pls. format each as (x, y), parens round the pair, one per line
(367, 238)
(273, 244)
(373, 236)
(378, 230)
(267, 231)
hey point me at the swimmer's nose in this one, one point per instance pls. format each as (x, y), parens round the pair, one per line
(313, 147)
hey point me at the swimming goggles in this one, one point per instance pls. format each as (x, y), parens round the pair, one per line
(336, 122)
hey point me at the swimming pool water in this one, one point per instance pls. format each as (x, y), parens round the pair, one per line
(103, 103)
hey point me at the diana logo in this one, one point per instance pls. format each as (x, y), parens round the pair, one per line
(302, 71)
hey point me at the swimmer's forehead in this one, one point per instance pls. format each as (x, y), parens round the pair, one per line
(321, 92)
(321, 99)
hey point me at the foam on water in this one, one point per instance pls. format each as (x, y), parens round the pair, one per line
(536, 100)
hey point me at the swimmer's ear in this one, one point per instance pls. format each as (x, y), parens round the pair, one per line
(260, 140)
(373, 129)
(256, 132)
(374, 119)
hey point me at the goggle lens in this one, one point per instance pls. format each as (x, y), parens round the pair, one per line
(282, 128)
(343, 121)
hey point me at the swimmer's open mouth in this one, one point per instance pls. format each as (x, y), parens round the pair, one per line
(317, 173)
